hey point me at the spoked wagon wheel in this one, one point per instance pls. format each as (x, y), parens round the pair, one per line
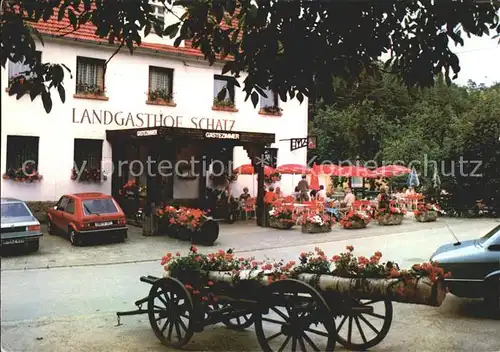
(239, 323)
(298, 319)
(363, 323)
(170, 310)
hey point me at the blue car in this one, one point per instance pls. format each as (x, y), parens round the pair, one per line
(474, 267)
(19, 226)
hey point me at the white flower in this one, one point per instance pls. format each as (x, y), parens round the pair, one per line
(272, 212)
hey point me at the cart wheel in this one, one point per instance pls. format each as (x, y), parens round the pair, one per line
(239, 323)
(170, 310)
(300, 317)
(365, 325)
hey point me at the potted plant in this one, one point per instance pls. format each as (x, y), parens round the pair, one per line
(390, 216)
(88, 175)
(355, 220)
(223, 104)
(188, 221)
(426, 212)
(160, 96)
(272, 178)
(89, 89)
(316, 222)
(166, 221)
(282, 216)
(27, 173)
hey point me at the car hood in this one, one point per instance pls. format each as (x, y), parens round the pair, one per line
(452, 251)
(19, 221)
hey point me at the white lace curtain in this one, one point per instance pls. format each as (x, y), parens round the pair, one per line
(159, 79)
(89, 73)
(269, 101)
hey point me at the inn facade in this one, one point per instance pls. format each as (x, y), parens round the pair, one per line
(161, 103)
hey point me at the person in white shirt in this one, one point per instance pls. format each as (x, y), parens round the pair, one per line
(349, 197)
(321, 193)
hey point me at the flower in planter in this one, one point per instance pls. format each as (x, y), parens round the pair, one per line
(352, 217)
(160, 95)
(283, 213)
(129, 188)
(273, 177)
(316, 218)
(189, 218)
(28, 173)
(272, 109)
(391, 210)
(92, 89)
(223, 103)
(426, 207)
(88, 175)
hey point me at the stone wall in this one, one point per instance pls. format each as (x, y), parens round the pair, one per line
(40, 209)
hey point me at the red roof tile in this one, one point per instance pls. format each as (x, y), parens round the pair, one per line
(86, 32)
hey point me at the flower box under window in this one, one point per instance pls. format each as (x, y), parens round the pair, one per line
(22, 159)
(90, 79)
(160, 86)
(224, 93)
(269, 104)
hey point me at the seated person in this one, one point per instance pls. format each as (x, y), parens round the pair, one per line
(383, 199)
(312, 194)
(270, 196)
(278, 192)
(321, 193)
(245, 195)
(349, 198)
(296, 193)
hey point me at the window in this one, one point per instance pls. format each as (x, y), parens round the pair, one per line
(224, 90)
(15, 210)
(158, 10)
(70, 207)
(272, 99)
(20, 68)
(88, 153)
(89, 76)
(160, 84)
(99, 206)
(21, 149)
(63, 202)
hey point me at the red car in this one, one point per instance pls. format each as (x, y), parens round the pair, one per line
(83, 215)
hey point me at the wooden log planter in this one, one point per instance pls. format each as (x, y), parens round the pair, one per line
(316, 228)
(420, 291)
(391, 219)
(280, 224)
(426, 216)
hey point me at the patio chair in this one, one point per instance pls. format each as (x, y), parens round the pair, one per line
(248, 208)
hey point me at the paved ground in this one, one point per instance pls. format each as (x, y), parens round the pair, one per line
(56, 251)
(71, 305)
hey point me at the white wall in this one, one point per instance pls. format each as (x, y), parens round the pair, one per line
(126, 87)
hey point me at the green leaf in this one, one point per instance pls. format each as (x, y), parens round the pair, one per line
(300, 97)
(227, 67)
(47, 101)
(178, 41)
(222, 94)
(147, 29)
(171, 31)
(72, 18)
(62, 93)
(255, 98)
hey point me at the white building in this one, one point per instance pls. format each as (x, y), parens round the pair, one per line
(100, 102)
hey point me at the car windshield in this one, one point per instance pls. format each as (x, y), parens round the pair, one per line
(489, 234)
(99, 206)
(14, 210)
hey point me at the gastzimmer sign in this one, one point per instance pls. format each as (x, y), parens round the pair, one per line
(221, 135)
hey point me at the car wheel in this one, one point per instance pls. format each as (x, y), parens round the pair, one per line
(50, 228)
(33, 245)
(492, 294)
(73, 238)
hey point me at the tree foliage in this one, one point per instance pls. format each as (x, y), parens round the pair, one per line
(449, 129)
(297, 48)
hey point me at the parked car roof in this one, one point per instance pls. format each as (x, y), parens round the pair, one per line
(11, 200)
(90, 195)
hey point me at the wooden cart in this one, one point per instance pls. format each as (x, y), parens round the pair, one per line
(291, 314)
